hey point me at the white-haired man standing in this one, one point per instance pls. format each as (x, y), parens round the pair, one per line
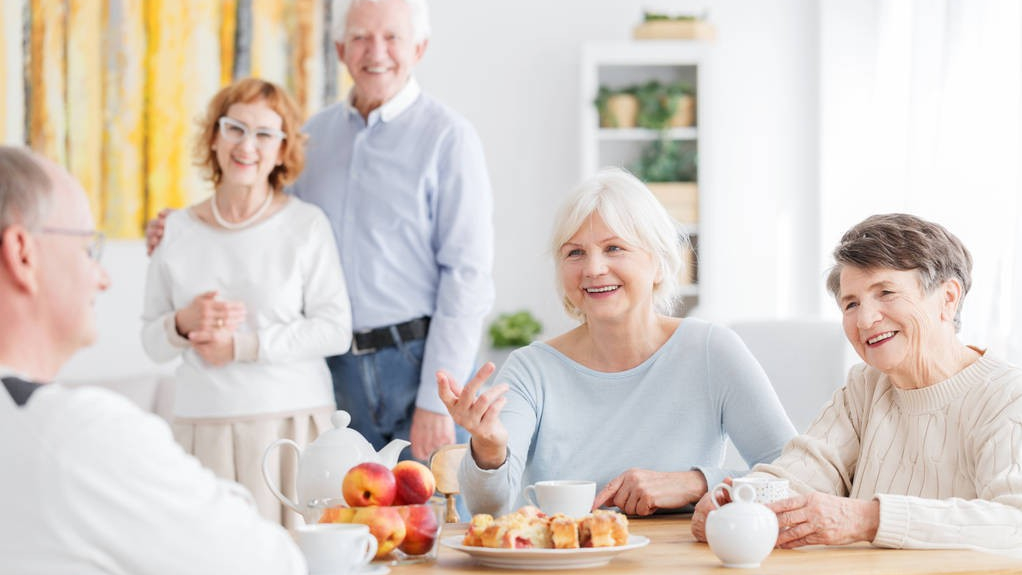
(403, 180)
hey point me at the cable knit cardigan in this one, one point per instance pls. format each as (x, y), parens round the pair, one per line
(944, 461)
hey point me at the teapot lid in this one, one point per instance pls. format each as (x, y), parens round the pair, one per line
(341, 434)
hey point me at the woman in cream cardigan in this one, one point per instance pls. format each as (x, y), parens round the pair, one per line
(922, 448)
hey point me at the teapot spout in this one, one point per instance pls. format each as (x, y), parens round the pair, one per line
(390, 452)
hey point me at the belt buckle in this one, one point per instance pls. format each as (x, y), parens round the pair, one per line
(355, 349)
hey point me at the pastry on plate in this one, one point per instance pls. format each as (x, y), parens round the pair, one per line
(530, 528)
(563, 532)
(476, 527)
(604, 528)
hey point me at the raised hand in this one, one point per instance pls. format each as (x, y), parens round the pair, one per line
(429, 431)
(643, 491)
(154, 230)
(478, 413)
(206, 313)
(215, 347)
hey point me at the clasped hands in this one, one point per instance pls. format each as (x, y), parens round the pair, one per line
(812, 519)
(635, 492)
(209, 324)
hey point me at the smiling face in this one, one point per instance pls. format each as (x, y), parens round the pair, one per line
(603, 276)
(246, 162)
(379, 50)
(891, 322)
(71, 278)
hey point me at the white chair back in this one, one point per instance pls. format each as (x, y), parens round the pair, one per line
(806, 361)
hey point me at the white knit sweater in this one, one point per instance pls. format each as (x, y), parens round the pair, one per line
(287, 272)
(92, 485)
(945, 461)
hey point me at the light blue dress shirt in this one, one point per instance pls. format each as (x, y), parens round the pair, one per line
(409, 199)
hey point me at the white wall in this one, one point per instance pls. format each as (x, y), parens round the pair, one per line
(512, 69)
(118, 353)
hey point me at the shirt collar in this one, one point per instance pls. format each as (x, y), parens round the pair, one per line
(394, 106)
(6, 371)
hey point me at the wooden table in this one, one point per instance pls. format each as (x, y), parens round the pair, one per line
(672, 549)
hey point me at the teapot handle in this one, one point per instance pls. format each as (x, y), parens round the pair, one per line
(742, 492)
(266, 472)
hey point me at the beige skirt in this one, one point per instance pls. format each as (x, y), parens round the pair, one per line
(233, 449)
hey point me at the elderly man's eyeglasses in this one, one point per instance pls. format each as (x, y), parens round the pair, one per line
(96, 239)
(234, 132)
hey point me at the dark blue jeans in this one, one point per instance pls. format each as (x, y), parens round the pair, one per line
(378, 390)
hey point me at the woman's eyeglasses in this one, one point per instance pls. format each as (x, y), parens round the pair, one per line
(234, 132)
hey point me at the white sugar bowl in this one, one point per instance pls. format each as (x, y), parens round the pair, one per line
(743, 532)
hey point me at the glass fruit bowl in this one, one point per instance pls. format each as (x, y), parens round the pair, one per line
(404, 533)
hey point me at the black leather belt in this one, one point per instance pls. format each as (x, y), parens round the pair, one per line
(372, 340)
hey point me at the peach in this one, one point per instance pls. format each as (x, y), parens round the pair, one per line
(337, 515)
(385, 524)
(369, 484)
(415, 483)
(421, 528)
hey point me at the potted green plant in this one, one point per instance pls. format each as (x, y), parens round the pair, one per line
(667, 160)
(617, 108)
(665, 105)
(670, 170)
(512, 330)
(684, 26)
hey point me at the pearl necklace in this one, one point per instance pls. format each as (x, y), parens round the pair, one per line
(243, 223)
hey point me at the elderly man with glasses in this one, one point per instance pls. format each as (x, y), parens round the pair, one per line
(91, 484)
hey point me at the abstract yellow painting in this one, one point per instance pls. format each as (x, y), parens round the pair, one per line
(111, 89)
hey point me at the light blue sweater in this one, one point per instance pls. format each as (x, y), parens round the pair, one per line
(670, 413)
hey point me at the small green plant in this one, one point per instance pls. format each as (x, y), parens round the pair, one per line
(514, 329)
(659, 16)
(658, 102)
(667, 161)
(603, 96)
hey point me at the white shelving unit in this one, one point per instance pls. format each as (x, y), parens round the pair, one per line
(618, 65)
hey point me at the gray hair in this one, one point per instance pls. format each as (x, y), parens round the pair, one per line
(634, 214)
(26, 188)
(419, 16)
(904, 242)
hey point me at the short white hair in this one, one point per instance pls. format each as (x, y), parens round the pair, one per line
(26, 188)
(634, 214)
(419, 15)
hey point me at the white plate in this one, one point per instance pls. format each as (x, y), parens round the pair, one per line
(544, 558)
(372, 570)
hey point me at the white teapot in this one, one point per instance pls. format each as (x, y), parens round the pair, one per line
(743, 532)
(324, 463)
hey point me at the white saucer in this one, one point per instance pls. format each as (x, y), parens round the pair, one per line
(372, 570)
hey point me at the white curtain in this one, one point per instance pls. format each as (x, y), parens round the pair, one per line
(920, 112)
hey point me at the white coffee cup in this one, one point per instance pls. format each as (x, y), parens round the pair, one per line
(336, 548)
(767, 489)
(570, 497)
